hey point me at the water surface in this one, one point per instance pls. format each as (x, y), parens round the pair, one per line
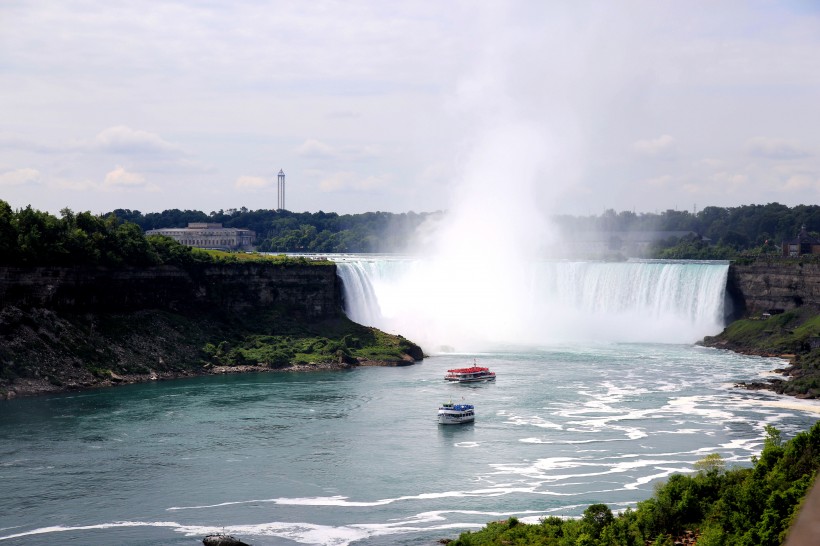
(356, 457)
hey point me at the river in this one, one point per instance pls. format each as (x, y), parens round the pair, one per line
(357, 458)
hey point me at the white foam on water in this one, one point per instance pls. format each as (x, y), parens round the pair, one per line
(658, 476)
(693, 405)
(534, 420)
(65, 528)
(682, 431)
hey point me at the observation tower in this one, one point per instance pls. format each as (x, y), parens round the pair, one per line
(280, 199)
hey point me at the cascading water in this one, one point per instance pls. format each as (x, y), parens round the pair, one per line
(474, 306)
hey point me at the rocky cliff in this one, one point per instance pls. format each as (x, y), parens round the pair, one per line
(767, 286)
(311, 291)
(64, 328)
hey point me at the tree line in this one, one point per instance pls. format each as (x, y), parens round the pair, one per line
(718, 232)
(285, 231)
(28, 236)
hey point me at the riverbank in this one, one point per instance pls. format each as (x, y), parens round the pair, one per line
(43, 351)
(34, 387)
(793, 336)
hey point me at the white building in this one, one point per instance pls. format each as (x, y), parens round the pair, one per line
(206, 235)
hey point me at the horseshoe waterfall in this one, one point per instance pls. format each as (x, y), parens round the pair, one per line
(475, 305)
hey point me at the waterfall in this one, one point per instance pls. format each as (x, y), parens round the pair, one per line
(475, 305)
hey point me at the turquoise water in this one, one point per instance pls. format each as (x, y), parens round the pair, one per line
(356, 457)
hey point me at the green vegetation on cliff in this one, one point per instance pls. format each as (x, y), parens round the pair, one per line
(736, 507)
(794, 334)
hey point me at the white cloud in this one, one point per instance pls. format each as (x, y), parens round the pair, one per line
(124, 140)
(252, 183)
(19, 177)
(774, 148)
(119, 178)
(664, 146)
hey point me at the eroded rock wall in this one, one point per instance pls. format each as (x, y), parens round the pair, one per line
(310, 290)
(772, 286)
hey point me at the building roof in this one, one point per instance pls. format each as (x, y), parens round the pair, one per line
(803, 238)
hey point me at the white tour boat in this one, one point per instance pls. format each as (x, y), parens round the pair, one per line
(455, 414)
(473, 374)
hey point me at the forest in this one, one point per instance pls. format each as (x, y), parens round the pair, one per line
(714, 232)
(285, 231)
(32, 237)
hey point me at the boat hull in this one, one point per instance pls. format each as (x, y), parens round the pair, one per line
(455, 419)
(470, 379)
(473, 374)
(456, 414)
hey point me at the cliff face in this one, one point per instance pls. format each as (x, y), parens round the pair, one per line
(66, 328)
(766, 286)
(311, 291)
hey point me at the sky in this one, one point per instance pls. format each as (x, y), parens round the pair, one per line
(569, 107)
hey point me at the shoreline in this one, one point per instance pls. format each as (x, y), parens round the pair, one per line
(781, 376)
(29, 387)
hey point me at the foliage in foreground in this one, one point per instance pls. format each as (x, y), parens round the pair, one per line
(739, 507)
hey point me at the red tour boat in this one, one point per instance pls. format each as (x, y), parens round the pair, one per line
(473, 374)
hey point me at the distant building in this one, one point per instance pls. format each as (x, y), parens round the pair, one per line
(802, 244)
(211, 236)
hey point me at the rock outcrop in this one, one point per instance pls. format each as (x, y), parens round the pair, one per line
(773, 286)
(221, 539)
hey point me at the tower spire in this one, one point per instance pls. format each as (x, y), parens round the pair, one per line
(280, 185)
